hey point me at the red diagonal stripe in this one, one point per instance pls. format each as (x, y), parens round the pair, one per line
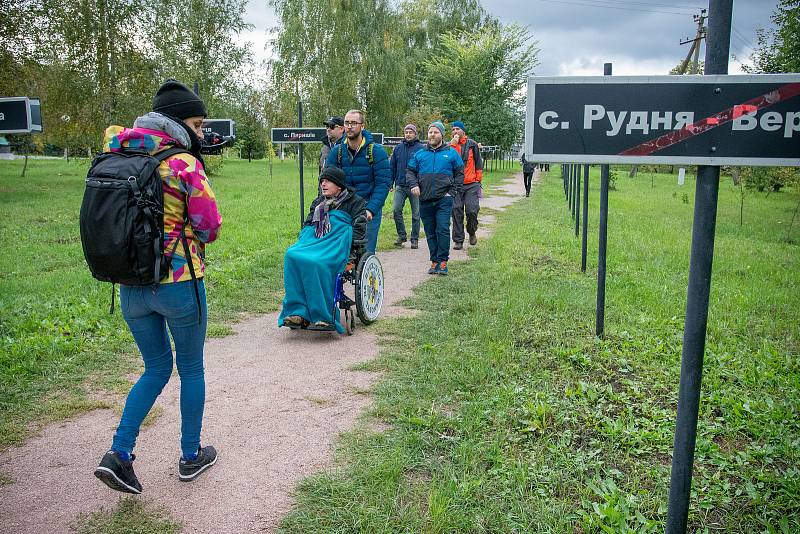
(780, 94)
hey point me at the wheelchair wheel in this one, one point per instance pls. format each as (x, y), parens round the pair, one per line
(349, 321)
(369, 288)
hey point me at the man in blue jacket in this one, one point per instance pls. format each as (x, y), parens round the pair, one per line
(366, 168)
(435, 174)
(399, 163)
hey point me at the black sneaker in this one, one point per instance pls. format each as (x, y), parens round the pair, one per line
(118, 474)
(414, 243)
(399, 241)
(189, 469)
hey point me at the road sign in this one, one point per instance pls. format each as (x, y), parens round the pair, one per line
(703, 120)
(298, 135)
(392, 141)
(20, 114)
(223, 127)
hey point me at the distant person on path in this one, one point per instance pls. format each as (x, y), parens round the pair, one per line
(150, 312)
(366, 168)
(436, 175)
(333, 234)
(527, 173)
(399, 163)
(334, 130)
(468, 199)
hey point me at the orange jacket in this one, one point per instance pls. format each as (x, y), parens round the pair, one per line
(471, 155)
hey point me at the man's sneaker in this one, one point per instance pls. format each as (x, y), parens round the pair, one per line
(414, 243)
(442, 268)
(399, 242)
(118, 474)
(458, 246)
(473, 239)
(434, 268)
(189, 469)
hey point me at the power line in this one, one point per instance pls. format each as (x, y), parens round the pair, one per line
(742, 37)
(614, 7)
(648, 4)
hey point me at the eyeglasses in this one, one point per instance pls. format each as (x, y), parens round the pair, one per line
(352, 123)
(331, 126)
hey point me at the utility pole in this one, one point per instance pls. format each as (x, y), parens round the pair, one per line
(694, 50)
(694, 53)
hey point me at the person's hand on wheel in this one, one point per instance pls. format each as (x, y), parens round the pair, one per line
(415, 190)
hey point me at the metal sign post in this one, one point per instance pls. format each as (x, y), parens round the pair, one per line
(696, 320)
(602, 243)
(300, 158)
(585, 216)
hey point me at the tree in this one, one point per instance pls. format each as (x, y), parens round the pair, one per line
(480, 77)
(779, 50)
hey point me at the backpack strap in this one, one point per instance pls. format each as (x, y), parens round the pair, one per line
(370, 157)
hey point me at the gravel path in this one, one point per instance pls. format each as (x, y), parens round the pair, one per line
(276, 401)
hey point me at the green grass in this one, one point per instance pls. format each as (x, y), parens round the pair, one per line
(59, 346)
(505, 414)
(130, 516)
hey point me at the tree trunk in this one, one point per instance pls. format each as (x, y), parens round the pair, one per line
(736, 176)
(634, 169)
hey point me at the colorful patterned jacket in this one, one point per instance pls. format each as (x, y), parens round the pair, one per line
(185, 184)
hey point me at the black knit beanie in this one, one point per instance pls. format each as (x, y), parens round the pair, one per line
(335, 175)
(176, 100)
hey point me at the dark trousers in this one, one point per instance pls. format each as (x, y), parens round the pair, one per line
(527, 177)
(435, 215)
(468, 200)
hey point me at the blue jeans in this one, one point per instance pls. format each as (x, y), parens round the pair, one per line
(372, 231)
(148, 312)
(401, 193)
(435, 216)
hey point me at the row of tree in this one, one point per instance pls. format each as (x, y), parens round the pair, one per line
(97, 62)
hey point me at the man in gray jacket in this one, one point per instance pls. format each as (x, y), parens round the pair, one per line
(334, 127)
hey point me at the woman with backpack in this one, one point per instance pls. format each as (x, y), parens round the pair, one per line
(178, 303)
(528, 167)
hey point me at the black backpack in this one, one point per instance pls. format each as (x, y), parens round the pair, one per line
(122, 220)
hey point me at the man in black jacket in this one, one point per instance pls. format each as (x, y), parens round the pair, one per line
(399, 162)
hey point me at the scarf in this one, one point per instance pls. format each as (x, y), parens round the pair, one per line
(321, 219)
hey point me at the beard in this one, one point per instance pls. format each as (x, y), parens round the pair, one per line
(351, 135)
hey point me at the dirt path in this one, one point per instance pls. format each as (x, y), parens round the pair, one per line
(276, 401)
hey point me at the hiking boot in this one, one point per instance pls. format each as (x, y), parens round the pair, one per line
(190, 469)
(442, 269)
(293, 321)
(414, 243)
(321, 325)
(473, 239)
(399, 242)
(434, 268)
(118, 474)
(458, 246)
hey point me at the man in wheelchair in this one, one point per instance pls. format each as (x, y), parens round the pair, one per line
(333, 236)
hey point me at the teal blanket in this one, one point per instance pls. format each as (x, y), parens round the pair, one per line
(310, 267)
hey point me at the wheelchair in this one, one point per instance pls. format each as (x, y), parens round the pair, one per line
(367, 277)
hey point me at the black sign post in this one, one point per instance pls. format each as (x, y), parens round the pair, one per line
(300, 157)
(602, 243)
(696, 321)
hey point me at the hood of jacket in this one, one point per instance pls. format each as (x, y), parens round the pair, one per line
(152, 132)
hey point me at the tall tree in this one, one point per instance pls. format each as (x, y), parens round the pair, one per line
(778, 50)
(479, 77)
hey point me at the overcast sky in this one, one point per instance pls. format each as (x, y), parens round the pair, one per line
(577, 36)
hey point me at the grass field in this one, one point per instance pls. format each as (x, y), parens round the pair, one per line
(506, 414)
(59, 347)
